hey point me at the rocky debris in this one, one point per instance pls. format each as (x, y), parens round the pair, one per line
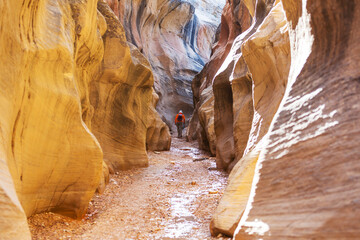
(176, 37)
(159, 202)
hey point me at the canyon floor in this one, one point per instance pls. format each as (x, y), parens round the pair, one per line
(174, 198)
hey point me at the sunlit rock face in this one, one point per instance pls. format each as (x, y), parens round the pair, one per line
(122, 99)
(54, 159)
(13, 224)
(233, 202)
(176, 37)
(67, 71)
(285, 93)
(307, 183)
(255, 74)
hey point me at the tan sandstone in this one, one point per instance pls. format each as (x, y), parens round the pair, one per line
(307, 174)
(257, 67)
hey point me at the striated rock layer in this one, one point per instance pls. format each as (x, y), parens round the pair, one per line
(158, 133)
(54, 159)
(307, 174)
(122, 98)
(254, 73)
(202, 125)
(176, 37)
(60, 80)
(281, 94)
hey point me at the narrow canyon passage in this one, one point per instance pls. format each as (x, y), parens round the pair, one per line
(271, 87)
(174, 198)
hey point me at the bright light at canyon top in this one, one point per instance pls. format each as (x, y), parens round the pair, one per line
(208, 10)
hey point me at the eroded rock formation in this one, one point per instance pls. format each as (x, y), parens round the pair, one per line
(60, 82)
(13, 224)
(176, 37)
(213, 91)
(282, 94)
(54, 159)
(307, 174)
(158, 133)
(254, 73)
(121, 97)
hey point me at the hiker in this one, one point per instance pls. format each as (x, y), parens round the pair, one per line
(180, 123)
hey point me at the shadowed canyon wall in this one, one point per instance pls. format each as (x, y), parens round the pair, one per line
(122, 99)
(278, 104)
(66, 73)
(176, 37)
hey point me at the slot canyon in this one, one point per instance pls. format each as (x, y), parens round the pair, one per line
(270, 91)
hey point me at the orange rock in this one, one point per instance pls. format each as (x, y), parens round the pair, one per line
(307, 185)
(54, 159)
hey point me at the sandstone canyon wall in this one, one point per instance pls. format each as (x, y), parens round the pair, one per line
(54, 159)
(122, 99)
(66, 72)
(176, 37)
(307, 174)
(278, 104)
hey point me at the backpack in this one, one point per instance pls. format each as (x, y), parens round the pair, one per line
(179, 118)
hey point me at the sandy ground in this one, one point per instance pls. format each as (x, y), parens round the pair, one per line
(173, 198)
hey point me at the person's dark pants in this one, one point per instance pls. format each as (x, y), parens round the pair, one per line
(179, 129)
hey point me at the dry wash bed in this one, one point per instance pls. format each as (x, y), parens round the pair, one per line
(173, 198)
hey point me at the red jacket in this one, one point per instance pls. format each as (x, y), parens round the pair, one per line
(183, 118)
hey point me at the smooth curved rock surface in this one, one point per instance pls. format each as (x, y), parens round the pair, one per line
(121, 98)
(54, 159)
(176, 37)
(234, 20)
(56, 71)
(234, 200)
(158, 134)
(257, 68)
(13, 223)
(307, 176)
(267, 55)
(259, 55)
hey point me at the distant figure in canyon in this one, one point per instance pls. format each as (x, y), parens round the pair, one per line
(180, 123)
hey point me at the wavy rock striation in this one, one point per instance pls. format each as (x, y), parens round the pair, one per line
(254, 73)
(122, 98)
(176, 37)
(54, 159)
(212, 89)
(307, 180)
(158, 133)
(280, 93)
(61, 81)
